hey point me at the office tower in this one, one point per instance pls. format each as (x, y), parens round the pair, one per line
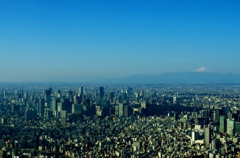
(144, 105)
(49, 114)
(175, 116)
(136, 96)
(174, 99)
(88, 102)
(229, 116)
(59, 94)
(130, 91)
(194, 114)
(112, 111)
(70, 95)
(237, 128)
(77, 109)
(63, 114)
(120, 109)
(195, 136)
(205, 113)
(223, 123)
(41, 106)
(48, 95)
(59, 109)
(207, 136)
(88, 107)
(127, 110)
(67, 105)
(4, 120)
(80, 90)
(25, 95)
(53, 105)
(101, 92)
(4, 94)
(214, 144)
(123, 97)
(15, 108)
(111, 96)
(217, 112)
(230, 127)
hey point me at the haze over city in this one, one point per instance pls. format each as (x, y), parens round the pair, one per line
(71, 40)
(119, 79)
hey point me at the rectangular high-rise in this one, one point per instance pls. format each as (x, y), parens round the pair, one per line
(222, 127)
(121, 110)
(207, 136)
(230, 127)
(237, 128)
(80, 90)
(101, 92)
(41, 106)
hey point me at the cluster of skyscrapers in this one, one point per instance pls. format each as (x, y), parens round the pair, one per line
(121, 121)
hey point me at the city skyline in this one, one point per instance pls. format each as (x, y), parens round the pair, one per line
(60, 40)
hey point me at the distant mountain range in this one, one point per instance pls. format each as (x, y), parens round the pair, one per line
(181, 77)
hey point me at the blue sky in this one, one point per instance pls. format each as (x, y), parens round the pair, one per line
(42, 40)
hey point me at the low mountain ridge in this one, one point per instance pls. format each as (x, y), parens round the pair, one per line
(181, 77)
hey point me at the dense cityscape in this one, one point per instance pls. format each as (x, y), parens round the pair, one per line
(119, 120)
(119, 79)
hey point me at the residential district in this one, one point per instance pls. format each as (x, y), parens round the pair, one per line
(126, 121)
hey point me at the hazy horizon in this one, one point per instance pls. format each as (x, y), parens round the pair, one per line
(58, 40)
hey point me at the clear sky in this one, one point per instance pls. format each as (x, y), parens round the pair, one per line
(43, 40)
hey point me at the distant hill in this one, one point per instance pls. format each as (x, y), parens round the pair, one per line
(181, 77)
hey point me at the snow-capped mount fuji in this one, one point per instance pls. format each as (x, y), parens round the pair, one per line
(202, 69)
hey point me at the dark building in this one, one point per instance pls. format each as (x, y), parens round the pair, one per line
(67, 105)
(30, 114)
(101, 92)
(48, 95)
(41, 106)
(127, 110)
(70, 95)
(237, 127)
(111, 96)
(80, 90)
(123, 97)
(130, 91)
(15, 108)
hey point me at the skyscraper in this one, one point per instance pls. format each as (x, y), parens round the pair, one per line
(120, 109)
(127, 110)
(70, 95)
(53, 105)
(101, 92)
(80, 90)
(207, 136)
(111, 96)
(237, 128)
(4, 94)
(123, 97)
(41, 106)
(174, 99)
(222, 127)
(48, 96)
(230, 127)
